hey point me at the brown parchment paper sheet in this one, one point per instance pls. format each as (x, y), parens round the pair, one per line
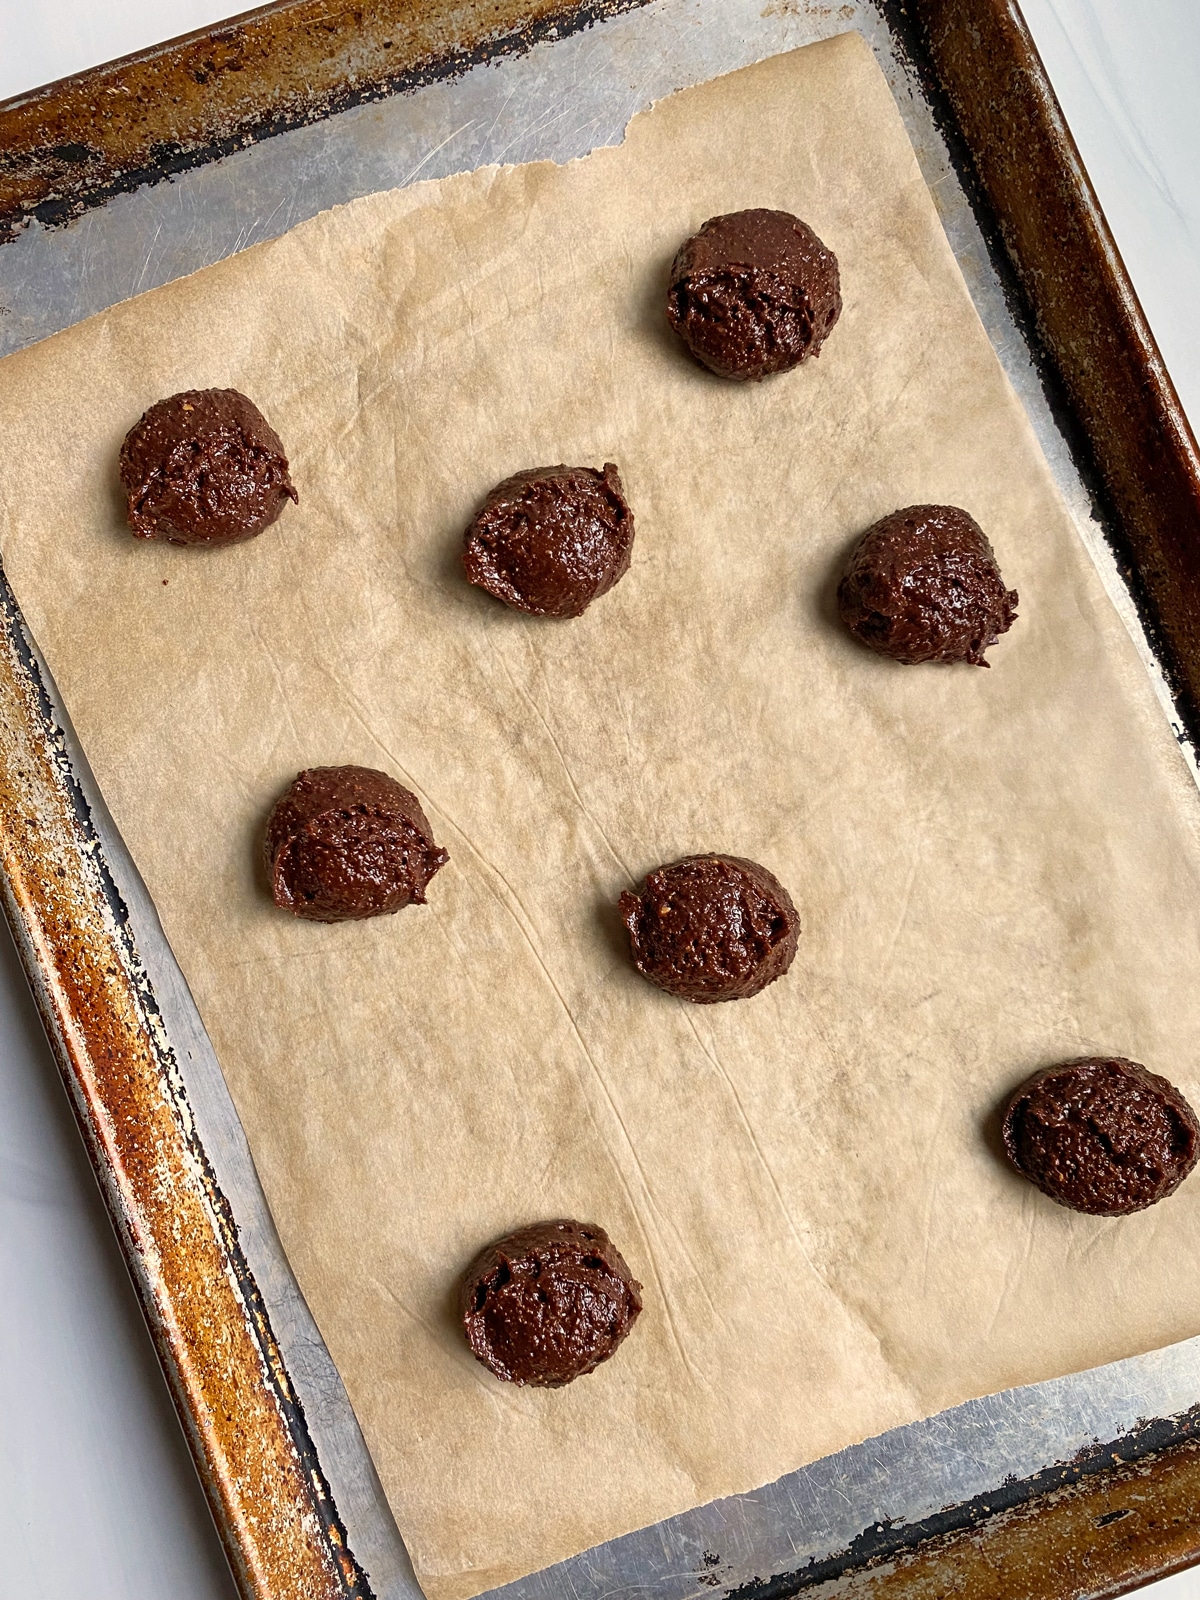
(994, 869)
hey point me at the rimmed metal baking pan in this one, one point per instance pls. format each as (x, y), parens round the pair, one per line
(130, 175)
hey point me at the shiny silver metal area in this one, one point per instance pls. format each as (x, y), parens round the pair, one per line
(560, 100)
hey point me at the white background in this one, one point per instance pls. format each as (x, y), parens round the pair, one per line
(98, 1498)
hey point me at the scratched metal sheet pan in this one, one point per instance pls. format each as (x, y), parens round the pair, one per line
(563, 98)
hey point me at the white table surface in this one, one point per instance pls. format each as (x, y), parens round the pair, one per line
(98, 1497)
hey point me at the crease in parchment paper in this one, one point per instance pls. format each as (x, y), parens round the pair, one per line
(993, 869)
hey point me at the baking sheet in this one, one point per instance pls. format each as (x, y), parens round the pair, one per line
(993, 868)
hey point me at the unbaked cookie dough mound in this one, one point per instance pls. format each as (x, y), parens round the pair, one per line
(548, 1303)
(204, 468)
(711, 928)
(345, 843)
(923, 585)
(551, 540)
(1102, 1135)
(754, 292)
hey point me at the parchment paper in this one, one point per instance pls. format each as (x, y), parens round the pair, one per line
(995, 869)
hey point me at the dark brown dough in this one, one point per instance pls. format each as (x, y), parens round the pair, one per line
(548, 1303)
(551, 540)
(1101, 1135)
(711, 928)
(204, 467)
(923, 585)
(754, 292)
(349, 842)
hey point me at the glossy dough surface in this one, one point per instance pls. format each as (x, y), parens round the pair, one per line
(753, 293)
(547, 1304)
(711, 928)
(1102, 1135)
(204, 467)
(349, 842)
(922, 585)
(551, 540)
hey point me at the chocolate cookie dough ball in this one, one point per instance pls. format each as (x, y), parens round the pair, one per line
(548, 1303)
(1101, 1135)
(349, 842)
(754, 292)
(204, 467)
(711, 928)
(551, 540)
(923, 585)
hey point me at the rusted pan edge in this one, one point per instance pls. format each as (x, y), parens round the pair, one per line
(76, 143)
(244, 1424)
(1087, 314)
(1101, 1537)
